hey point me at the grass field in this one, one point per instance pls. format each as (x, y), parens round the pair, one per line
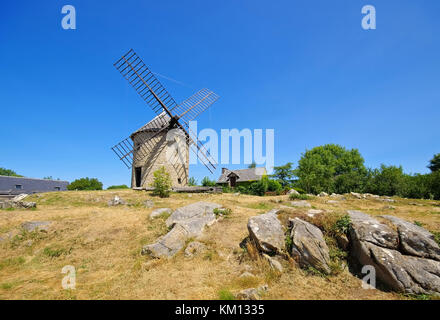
(103, 244)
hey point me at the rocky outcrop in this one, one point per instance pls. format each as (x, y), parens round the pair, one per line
(415, 240)
(308, 245)
(395, 257)
(186, 222)
(266, 232)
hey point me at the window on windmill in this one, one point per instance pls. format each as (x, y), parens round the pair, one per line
(138, 146)
(18, 186)
(57, 188)
(179, 180)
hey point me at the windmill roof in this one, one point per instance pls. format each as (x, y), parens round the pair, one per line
(155, 124)
(251, 174)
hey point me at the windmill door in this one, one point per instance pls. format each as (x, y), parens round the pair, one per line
(138, 176)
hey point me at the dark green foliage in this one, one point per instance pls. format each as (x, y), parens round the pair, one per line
(434, 163)
(252, 165)
(8, 172)
(192, 182)
(284, 174)
(85, 184)
(122, 186)
(386, 181)
(342, 224)
(206, 182)
(330, 168)
(274, 186)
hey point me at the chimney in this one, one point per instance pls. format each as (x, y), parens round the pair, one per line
(224, 170)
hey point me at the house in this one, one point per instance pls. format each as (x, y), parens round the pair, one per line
(156, 147)
(233, 178)
(10, 185)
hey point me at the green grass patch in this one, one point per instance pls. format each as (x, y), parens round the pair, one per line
(225, 294)
(11, 262)
(299, 197)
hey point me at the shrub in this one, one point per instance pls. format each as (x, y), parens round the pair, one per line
(206, 182)
(122, 186)
(85, 184)
(274, 186)
(342, 224)
(161, 183)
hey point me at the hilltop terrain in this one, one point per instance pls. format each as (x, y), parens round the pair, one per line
(104, 245)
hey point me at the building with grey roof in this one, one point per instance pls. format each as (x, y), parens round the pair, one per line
(234, 178)
(10, 185)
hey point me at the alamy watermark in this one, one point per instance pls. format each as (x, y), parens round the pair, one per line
(69, 20)
(369, 20)
(69, 281)
(257, 146)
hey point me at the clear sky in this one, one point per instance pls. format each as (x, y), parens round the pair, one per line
(304, 68)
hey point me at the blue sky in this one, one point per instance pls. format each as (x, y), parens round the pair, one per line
(304, 68)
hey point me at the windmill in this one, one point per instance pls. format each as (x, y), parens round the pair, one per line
(167, 138)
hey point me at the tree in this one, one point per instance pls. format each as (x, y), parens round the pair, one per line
(206, 182)
(8, 172)
(387, 181)
(284, 174)
(252, 165)
(330, 168)
(85, 184)
(192, 181)
(434, 163)
(161, 183)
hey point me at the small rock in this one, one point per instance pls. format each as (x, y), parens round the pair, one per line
(301, 204)
(389, 207)
(156, 213)
(116, 201)
(332, 201)
(323, 194)
(356, 195)
(293, 191)
(387, 200)
(276, 265)
(252, 293)
(31, 226)
(194, 248)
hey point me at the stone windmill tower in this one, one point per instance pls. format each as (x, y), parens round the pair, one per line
(165, 140)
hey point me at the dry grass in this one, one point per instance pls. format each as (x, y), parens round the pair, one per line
(103, 244)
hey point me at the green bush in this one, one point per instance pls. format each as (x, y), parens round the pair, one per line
(274, 186)
(161, 183)
(122, 186)
(85, 184)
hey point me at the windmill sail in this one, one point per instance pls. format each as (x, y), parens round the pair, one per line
(134, 70)
(169, 114)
